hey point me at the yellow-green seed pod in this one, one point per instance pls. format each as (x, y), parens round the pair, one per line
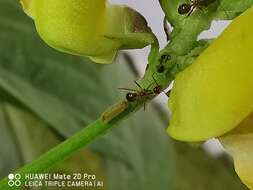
(214, 94)
(88, 28)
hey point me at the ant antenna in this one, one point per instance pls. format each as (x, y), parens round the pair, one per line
(155, 79)
(138, 85)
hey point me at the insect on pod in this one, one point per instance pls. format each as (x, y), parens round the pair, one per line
(134, 95)
(188, 8)
(114, 111)
(142, 94)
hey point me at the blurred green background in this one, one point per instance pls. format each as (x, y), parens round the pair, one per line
(47, 96)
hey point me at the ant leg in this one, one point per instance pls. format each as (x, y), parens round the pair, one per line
(138, 85)
(148, 88)
(155, 79)
(192, 9)
(143, 89)
(200, 8)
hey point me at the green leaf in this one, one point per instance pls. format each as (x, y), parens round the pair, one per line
(10, 156)
(68, 92)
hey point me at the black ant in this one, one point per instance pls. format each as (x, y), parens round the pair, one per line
(146, 93)
(188, 8)
(135, 95)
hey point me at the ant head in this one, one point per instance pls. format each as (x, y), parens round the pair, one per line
(157, 89)
(131, 96)
(184, 8)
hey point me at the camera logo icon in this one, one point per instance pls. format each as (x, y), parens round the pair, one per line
(14, 180)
